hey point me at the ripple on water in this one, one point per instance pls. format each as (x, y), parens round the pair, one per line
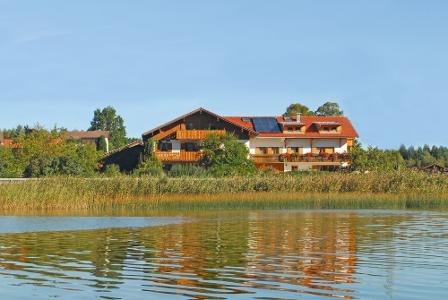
(254, 255)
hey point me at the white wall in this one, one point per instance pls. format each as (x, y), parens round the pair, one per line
(303, 143)
(264, 142)
(303, 166)
(339, 146)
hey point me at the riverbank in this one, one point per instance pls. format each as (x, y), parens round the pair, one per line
(316, 190)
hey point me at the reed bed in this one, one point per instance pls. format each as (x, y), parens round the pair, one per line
(320, 190)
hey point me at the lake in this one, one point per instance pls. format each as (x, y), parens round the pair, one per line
(226, 255)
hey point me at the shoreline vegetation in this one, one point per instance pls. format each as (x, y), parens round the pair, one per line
(375, 190)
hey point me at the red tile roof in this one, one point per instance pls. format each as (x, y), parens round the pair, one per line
(9, 143)
(311, 131)
(200, 109)
(96, 134)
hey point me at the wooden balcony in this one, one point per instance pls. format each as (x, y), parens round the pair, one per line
(266, 158)
(309, 157)
(182, 156)
(197, 134)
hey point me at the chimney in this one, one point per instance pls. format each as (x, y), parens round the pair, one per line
(298, 118)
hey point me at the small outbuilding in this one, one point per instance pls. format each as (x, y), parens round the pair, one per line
(435, 169)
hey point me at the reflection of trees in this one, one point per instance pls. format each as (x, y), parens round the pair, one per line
(46, 254)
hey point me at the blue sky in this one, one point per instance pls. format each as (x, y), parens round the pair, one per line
(385, 62)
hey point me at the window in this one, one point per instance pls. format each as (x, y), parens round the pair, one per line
(189, 126)
(298, 150)
(328, 129)
(190, 147)
(326, 150)
(294, 168)
(165, 146)
(275, 150)
(261, 150)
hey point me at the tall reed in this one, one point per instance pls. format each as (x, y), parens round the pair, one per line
(262, 191)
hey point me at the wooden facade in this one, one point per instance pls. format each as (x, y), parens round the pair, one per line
(179, 140)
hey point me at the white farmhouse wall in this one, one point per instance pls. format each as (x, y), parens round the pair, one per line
(265, 142)
(303, 166)
(340, 146)
(302, 143)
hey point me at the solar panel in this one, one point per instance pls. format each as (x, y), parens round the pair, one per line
(266, 124)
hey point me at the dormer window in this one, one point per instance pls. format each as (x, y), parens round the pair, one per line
(295, 128)
(328, 127)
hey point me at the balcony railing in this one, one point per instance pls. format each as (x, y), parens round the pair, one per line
(266, 158)
(309, 157)
(182, 156)
(196, 134)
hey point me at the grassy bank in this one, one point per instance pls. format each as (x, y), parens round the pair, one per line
(319, 190)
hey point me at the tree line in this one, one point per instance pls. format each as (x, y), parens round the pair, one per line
(41, 152)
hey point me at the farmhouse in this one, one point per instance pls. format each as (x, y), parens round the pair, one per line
(283, 143)
(89, 137)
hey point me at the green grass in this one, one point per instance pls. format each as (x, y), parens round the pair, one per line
(395, 190)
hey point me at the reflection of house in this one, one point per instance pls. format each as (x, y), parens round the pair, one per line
(88, 137)
(282, 143)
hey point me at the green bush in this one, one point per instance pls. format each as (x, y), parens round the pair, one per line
(112, 171)
(10, 166)
(224, 156)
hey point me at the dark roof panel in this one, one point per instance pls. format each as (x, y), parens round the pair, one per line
(266, 124)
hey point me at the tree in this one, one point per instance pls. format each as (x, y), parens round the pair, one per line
(329, 109)
(149, 165)
(224, 155)
(43, 153)
(108, 120)
(10, 166)
(102, 144)
(15, 132)
(374, 159)
(297, 108)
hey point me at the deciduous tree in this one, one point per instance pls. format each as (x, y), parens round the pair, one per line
(107, 119)
(297, 108)
(329, 109)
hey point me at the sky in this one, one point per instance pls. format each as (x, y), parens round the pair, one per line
(385, 62)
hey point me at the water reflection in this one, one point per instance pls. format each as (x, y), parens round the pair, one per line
(256, 255)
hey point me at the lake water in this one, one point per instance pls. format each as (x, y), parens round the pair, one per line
(227, 255)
